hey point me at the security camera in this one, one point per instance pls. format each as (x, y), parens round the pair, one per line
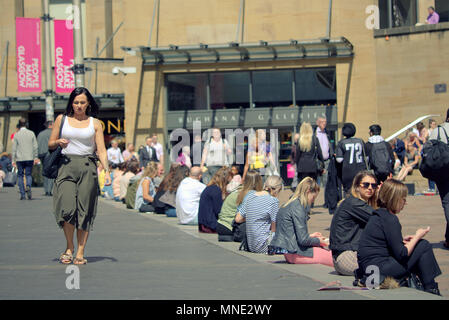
(125, 70)
(115, 71)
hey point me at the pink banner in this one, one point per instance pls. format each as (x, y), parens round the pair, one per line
(28, 50)
(64, 57)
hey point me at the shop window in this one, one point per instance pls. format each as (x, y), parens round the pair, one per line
(187, 91)
(315, 87)
(229, 90)
(272, 88)
(397, 13)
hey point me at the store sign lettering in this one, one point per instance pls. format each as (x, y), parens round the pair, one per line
(114, 126)
(288, 117)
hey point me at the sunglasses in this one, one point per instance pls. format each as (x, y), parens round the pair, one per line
(365, 185)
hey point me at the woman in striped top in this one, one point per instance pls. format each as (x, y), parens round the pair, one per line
(259, 210)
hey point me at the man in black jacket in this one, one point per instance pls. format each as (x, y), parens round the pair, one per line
(147, 154)
(380, 154)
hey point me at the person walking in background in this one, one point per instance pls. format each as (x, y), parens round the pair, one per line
(115, 154)
(215, 155)
(147, 153)
(76, 188)
(351, 154)
(129, 154)
(326, 149)
(188, 197)
(259, 156)
(432, 126)
(24, 156)
(349, 221)
(380, 154)
(308, 154)
(158, 147)
(42, 143)
(443, 183)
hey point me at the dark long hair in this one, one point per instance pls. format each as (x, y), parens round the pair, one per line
(92, 109)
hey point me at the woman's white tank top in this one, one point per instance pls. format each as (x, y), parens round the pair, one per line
(82, 140)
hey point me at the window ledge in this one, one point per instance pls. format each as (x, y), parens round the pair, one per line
(400, 31)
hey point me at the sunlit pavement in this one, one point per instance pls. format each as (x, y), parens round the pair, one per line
(147, 256)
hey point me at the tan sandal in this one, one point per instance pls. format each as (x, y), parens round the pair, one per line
(80, 261)
(66, 258)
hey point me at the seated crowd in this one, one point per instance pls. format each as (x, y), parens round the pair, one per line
(364, 231)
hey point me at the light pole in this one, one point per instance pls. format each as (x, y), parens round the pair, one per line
(78, 68)
(49, 109)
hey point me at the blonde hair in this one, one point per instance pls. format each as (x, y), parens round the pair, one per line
(306, 186)
(273, 184)
(390, 195)
(305, 137)
(253, 181)
(356, 185)
(151, 170)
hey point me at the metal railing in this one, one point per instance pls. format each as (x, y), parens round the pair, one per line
(410, 125)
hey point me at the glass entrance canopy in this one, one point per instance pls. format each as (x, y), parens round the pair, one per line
(245, 52)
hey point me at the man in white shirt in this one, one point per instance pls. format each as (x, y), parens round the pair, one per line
(188, 197)
(159, 150)
(114, 153)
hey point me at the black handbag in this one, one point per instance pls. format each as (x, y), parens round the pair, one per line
(52, 159)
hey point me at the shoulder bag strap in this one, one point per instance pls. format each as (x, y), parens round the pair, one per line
(60, 127)
(447, 138)
(364, 155)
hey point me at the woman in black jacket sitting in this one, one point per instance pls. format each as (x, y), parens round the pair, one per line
(383, 248)
(349, 221)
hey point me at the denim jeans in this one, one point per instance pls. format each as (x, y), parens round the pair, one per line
(171, 212)
(24, 167)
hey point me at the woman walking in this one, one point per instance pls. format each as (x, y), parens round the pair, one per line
(75, 192)
(308, 153)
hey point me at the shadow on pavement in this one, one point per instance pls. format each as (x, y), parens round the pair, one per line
(94, 259)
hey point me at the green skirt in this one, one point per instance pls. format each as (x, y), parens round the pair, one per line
(75, 192)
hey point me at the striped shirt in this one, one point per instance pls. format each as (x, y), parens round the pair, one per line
(259, 212)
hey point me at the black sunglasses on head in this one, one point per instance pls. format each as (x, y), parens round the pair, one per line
(366, 185)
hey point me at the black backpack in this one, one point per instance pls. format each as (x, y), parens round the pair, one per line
(379, 159)
(435, 158)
